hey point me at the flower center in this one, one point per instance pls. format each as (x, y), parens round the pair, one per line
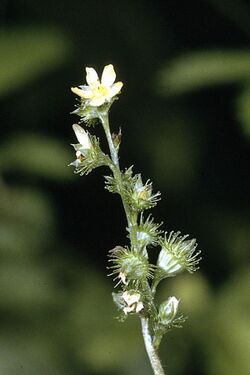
(102, 90)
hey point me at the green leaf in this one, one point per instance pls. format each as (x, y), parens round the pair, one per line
(39, 155)
(28, 53)
(204, 69)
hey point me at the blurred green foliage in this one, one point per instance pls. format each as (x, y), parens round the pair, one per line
(27, 53)
(57, 314)
(37, 155)
(203, 69)
(243, 110)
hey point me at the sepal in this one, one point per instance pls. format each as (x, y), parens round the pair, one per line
(111, 184)
(89, 115)
(147, 232)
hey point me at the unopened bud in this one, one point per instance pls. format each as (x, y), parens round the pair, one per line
(168, 310)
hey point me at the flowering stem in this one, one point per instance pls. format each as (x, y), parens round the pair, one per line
(151, 351)
(132, 221)
(114, 155)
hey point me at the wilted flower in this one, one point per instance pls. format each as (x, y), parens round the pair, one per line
(97, 92)
(133, 303)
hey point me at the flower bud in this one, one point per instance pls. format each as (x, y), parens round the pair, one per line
(168, 310)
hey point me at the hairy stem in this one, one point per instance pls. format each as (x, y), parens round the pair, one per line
(132, 222)
(151, 351)
(131, 219)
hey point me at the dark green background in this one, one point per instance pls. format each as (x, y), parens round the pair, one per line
(185, 118)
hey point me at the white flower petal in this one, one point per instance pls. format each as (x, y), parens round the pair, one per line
(97, 101)
(78, 91)
(82, 136)
(139, 307)
(91, 77)
(130, 299)
(115, 89)
(108, 75)
(86, 92)
(127, 310)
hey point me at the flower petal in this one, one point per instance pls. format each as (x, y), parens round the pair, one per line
(82, 136)
(130, 299)
(87, 92)
(97, 101)
(91, 77)
(108, 75)
(84, 91)
(77, 91)
(115, 89)
(127, 310)
(139, 307)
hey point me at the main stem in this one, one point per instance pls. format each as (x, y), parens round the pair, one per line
(132, 221)
(116, 167)
(152, 353)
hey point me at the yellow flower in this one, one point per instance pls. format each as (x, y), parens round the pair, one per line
(97, 93)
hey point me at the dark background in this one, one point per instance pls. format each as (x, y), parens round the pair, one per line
(185, 118)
